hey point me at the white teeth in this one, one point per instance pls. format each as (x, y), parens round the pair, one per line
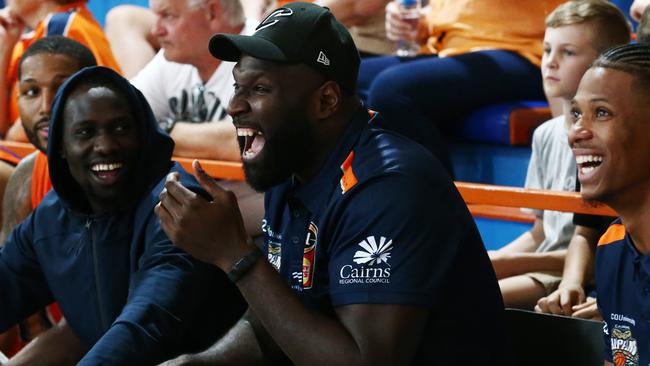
(581, 159)
(105, 167)
(247, 132)
(586, 169)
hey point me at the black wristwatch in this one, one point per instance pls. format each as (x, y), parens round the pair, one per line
(243, 265)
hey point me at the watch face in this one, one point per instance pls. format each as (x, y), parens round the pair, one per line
(166, 124)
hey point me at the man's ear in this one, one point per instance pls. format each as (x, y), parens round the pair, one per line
(329, 99)
(213, 11)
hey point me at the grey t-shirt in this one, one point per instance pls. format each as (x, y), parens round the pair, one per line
(552, 166)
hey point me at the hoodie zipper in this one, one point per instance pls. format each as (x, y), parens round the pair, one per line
(89, 222)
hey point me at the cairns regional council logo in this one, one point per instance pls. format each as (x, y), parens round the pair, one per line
(371, 262)
(624, 347)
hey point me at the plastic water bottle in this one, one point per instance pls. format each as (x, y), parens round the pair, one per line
(410, 13)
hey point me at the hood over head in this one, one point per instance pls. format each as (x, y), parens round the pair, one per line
(155, 146)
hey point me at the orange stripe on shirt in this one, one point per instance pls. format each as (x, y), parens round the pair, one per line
(82, 27)
(348, 180)
(41, 183)
(614, 233)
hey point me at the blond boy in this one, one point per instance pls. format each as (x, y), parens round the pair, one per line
(530, 267)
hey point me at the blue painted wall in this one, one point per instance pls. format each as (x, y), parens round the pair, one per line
(99, 8)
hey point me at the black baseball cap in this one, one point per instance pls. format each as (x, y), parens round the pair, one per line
(297, 33)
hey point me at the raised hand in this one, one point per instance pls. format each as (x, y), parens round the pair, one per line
(11, 28)
(211, 231)
(398, 27)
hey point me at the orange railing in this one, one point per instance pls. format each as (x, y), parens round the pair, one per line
(499, 196)
(484, 200)
(217, 169)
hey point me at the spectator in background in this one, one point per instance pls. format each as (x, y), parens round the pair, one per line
(530, 267)
(609, 137)
(46, 17)
(643, 29)
(475, 53)
(364, 19)
(637, 8)
(188, 89)
(129, 29)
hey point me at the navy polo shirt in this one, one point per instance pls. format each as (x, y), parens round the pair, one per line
(382, 223)
(623, 286)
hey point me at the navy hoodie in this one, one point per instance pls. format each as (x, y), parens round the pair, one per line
(125, 290)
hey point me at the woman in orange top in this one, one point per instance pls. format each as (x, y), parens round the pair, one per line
(474, 53)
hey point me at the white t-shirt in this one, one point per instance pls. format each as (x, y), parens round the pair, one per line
(173, 89)
(553, 166)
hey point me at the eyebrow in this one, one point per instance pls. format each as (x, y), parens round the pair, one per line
(574, 101)
(55, 77)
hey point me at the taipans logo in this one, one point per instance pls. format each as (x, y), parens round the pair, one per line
(373, 253)
(624, 346)
(309, 256)
(269, 21)
(371, 259)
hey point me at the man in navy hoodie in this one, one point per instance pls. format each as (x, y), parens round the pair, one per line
(95, 246)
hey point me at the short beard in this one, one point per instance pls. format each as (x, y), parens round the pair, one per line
(285, 153)
(33, 138)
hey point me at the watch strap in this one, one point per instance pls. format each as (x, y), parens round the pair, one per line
(243, 265)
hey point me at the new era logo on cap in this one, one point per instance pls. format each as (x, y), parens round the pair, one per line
(323, 59)
(297, 33)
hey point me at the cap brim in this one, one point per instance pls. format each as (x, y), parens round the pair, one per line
(230, 47)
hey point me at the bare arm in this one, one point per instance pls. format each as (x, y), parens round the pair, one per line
(247, 343)
(528, 241)
(212, 140)
(56, 346)
(16, 204)
(578, 268)
(353, 12)
(519, 256)
(128, 29)
(354, 337)
(10, 30)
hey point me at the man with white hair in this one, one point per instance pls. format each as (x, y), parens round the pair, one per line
(188, 89)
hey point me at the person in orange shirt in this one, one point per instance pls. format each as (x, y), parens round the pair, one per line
(44, 66)
(473, 53)
(67, 18)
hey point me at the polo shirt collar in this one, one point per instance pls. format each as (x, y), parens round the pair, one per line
(639, 259)
(316, 191)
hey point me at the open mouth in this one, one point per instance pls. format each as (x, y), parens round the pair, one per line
(107, 172)
(252, 142)
(588, 163)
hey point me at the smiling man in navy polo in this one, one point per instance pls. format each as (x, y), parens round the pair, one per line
(371, 254)
(609, 138)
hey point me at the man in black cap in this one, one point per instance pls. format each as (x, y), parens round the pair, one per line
(371, 254)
